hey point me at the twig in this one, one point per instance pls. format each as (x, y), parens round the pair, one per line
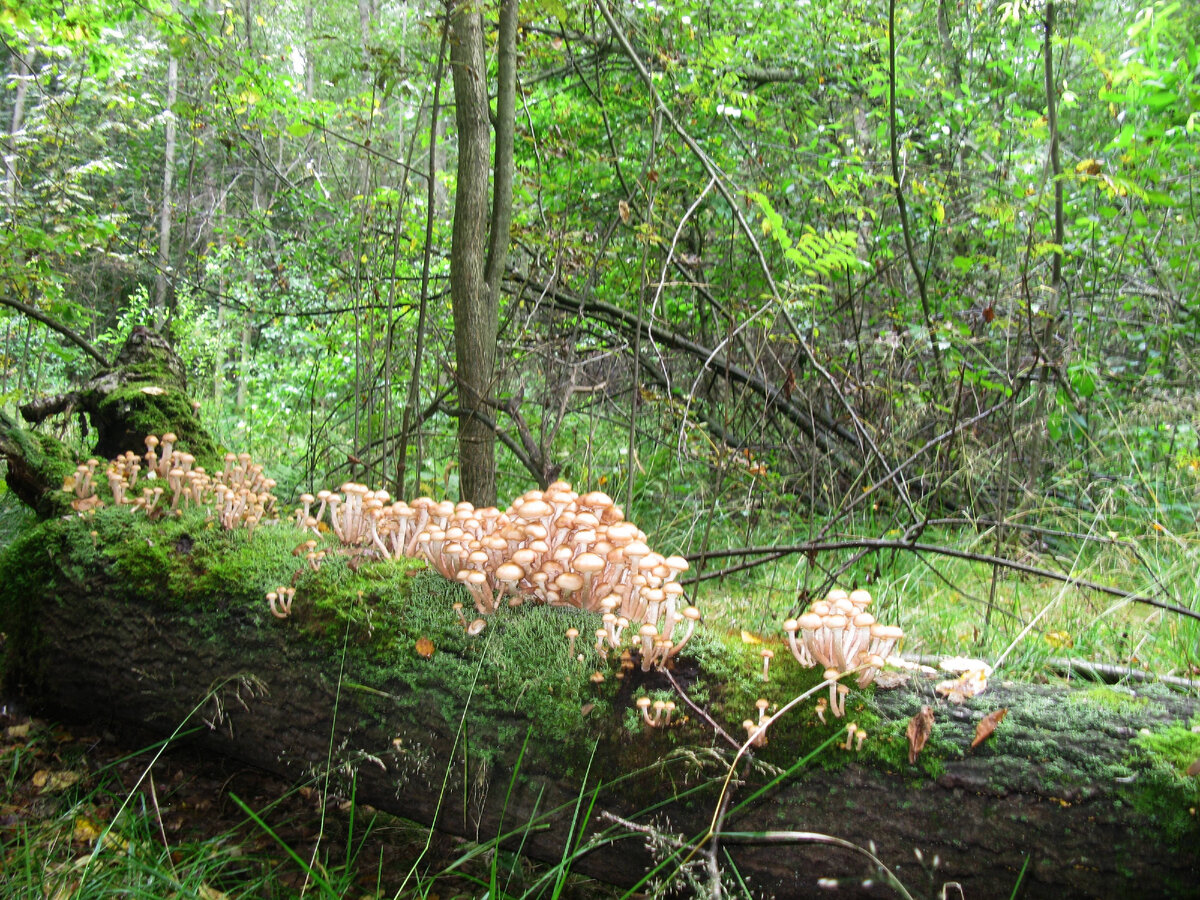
(735, 208)
(34, 313)
(702, 713)
(877, 544)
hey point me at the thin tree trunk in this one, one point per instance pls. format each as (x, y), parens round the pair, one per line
(431, 182)
(902, 206)
(476, 319)
(310, 57)
(1037, 448)
(500, 229)
(23, 66)
(162, 259)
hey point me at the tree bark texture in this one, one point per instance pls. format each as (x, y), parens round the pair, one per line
(143, 392)
(476, 317)
(165, 632)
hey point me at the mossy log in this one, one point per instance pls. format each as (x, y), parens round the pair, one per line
(161, 627)
(143, 392)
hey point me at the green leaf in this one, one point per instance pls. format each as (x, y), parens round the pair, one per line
(299, 129)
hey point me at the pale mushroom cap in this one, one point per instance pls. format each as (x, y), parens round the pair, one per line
(569, 581)
(636, 549)
(837, 594)
(588, 563)
(887, 632)
(791, 625)
(509, 573)
(643, 702)
(534, 509)
(809, 622)
(860, 597)
(476, 627)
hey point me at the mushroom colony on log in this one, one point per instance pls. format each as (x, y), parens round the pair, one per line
(555, 547)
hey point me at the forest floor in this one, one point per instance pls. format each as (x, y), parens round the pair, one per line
(176, 817)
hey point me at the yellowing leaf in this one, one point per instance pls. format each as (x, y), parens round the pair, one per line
(50, 782)
(987, 725)
(919, 728)
(748, 638)
(86, 830)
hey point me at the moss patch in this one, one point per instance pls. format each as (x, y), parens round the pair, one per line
(1164, 792)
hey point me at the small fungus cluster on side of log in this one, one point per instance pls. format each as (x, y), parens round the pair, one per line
(238, 495)
(839, 634)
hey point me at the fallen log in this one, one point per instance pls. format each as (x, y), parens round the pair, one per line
(161, 628)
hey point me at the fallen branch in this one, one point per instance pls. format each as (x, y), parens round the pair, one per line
(876, 544)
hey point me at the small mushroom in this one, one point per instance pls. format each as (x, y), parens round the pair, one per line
(767, 655)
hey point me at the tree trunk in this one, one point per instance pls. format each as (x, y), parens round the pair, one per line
(22, 64)
(476, 317)
(163, 257)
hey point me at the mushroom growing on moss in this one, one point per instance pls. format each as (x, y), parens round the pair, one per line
(840, 635)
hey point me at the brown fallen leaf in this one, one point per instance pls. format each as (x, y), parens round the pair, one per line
(1194, 768)
(919, 728)
(987, 725)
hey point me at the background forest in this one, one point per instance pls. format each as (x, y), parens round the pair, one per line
(893, 294)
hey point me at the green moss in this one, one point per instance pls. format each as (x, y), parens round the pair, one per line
(1116, 700)
(171, 411)
(733, 683)
(889, 744)
(1178, 745)
(1162, 790)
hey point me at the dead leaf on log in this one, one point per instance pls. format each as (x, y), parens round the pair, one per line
(987, 725)
(919, 728)
(1194, 768)
(154, 390)
(424, 648)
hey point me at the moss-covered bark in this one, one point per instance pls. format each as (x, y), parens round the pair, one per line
(144, 392)
(164, 627)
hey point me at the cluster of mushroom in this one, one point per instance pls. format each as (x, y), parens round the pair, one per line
(555, 547)
(239, 495)
(840, 635)
(662, 711)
